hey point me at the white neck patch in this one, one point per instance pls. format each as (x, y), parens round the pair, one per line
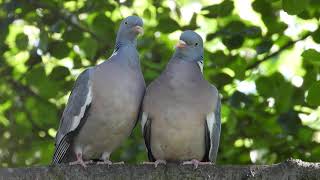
(200, 64)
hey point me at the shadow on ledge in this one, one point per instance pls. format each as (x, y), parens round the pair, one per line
(290, 169)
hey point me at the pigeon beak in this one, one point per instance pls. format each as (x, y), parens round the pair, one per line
(138, 29)
(181, 44)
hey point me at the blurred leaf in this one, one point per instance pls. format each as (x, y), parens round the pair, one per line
(313, 97)
(38, 79)
(59, 49)
(282, 40)
(72, 35)
(167, 25)
(43, 40)
(312, 56)
(309, 78)
(22, 41)
(262, 6)
(193, 23)
(273, 25)
(219, 59)
(290, 122)
(234, 28)
(233, 42)
(90, 47)
(252, 32)
(4, 29)
(219, 10)
(264, 46)
(316, 36)
(34, 59)
(239, 67)
(294, 6)
(102, 25)
(239, 100)
(277, 87)
(233, 34)
(221, 79)
(211, 36)
(43, 115)
(58, 26)
(59, 73)
(35, 76)
(147, 14)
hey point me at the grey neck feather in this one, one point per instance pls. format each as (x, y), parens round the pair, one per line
(129, 52)
(121, 41)
(178, 55)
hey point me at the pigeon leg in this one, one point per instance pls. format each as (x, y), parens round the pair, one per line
(80, 161)
(105, 159)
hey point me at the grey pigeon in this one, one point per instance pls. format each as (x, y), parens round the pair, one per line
(104, 104)
(181, 110)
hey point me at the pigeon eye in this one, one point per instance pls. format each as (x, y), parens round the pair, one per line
(196, 44)
(126, 22)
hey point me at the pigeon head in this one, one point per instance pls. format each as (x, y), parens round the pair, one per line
(190, 47)
(129, 29)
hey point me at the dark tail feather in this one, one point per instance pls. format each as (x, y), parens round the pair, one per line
(207, 142)
(60, 152)
(147, 137)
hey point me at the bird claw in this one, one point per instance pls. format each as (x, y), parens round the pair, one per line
(156, 163)
(196, 163)
(80, 162)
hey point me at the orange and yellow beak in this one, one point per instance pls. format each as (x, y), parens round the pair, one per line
(181, 44)
(138, 29)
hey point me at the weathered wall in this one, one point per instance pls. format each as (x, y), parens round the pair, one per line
(290, 169)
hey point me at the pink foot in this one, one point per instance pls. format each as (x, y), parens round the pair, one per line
(80, 161)
(196, 163)
(156, 163)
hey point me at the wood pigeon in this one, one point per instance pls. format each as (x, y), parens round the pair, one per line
(104, 104)
(181, 110)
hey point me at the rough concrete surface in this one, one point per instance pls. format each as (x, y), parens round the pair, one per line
(289, 170)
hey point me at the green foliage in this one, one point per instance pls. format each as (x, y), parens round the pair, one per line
(22, 41)
(263, 58)
(311, 56)
(313, 94)
(294, 6)
(219, 10)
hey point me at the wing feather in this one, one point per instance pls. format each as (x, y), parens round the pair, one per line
(74, 115)
(213, 122)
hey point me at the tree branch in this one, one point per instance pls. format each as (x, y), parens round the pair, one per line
(286, 46)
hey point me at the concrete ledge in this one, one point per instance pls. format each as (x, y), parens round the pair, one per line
(290, 169)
